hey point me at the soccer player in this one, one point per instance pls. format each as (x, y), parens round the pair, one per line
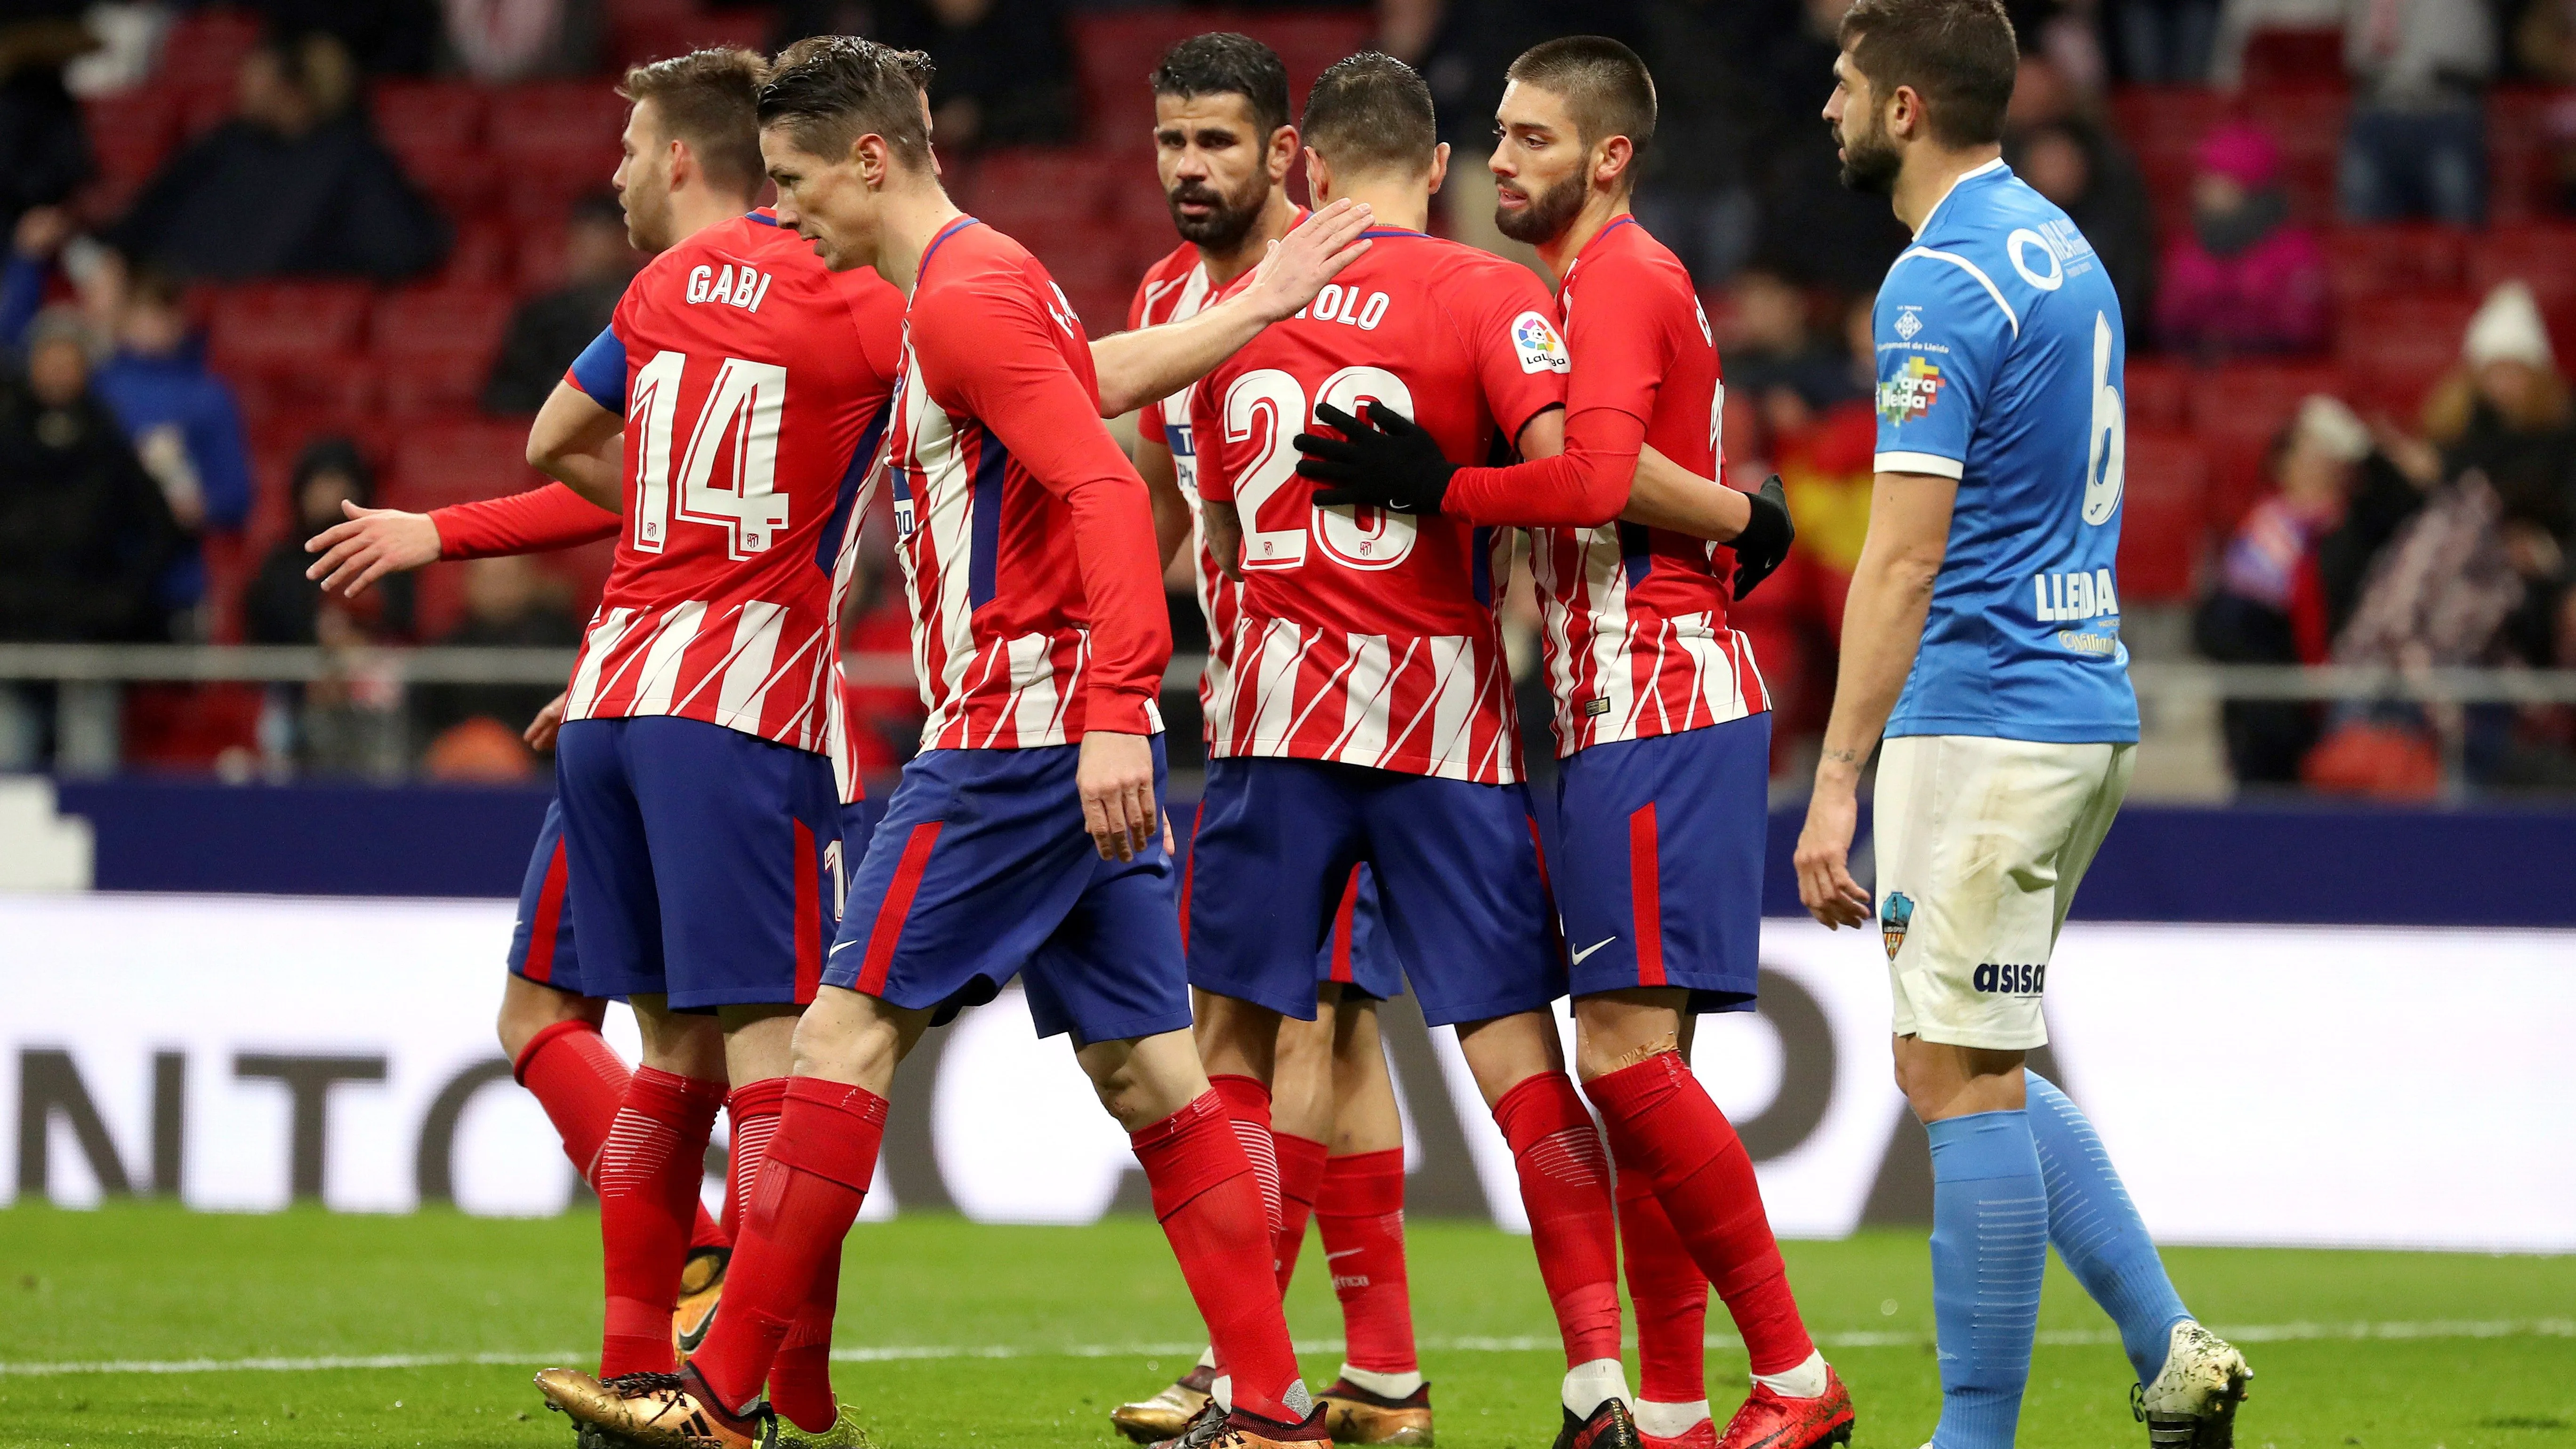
(1982, 641)
(1223, 148)
(1662, 721)
(1025, 839)
(691, 162)
(1369, 717)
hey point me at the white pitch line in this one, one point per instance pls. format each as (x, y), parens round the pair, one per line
(2056, 1338)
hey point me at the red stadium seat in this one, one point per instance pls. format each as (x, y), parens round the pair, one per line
(485, 255)
(435, 320)
(2236, 411)
(555, 139)
(2308, 122)
(2394, 348)
(2158, 393)
(256, 328)
(2376, 261)
(131, 131)
(2280, 55)
(2164, 517)
(636, 38)
(416, 118)
(2542, 255)
(2528, 128)
(1025, 192)
(203, 51)
(434, 384)
(438, 463)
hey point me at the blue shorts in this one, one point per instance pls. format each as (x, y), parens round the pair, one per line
(696, 860)
(981, 871)
(1359, 955)
(1457, 871)
(541, 948)
(1658, 872)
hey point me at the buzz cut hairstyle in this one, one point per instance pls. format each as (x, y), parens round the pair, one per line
(1224, 63)
(1606, 87)
(709, 100)
(829, 90)
(1958, 55)
(1372, 113)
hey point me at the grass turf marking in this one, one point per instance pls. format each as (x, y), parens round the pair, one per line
(2055, 1338)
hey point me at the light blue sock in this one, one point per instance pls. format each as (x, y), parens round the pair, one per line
(1989, 1250)
(2097, 1231)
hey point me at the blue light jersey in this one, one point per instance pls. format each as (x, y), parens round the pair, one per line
(2000, 364)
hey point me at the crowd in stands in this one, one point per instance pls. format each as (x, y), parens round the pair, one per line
(266, 259)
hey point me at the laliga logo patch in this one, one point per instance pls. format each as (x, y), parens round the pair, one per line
(1893, 918)
(1541, 350)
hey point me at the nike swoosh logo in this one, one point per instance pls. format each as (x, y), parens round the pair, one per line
(1595, 946)
(840, 947)
(1344, 1253)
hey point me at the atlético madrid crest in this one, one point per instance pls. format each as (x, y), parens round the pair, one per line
(1893, 918)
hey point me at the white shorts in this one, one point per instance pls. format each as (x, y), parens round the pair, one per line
(1981, 843)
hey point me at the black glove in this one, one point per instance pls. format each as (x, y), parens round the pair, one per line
(1388, 462)
(1764, 543)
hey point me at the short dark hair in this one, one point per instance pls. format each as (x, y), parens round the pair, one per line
(1223, 63)
(1959, 55)
(829, 90)
(1372, 112)
(708, 99)
(1603, 82)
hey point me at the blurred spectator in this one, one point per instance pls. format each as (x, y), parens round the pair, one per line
(2162, 42)
(509, 603)
(184, 424)
(2506, 413)
(1696, 194)
(549, 330)
(84, 533)
(384, 37)
(2238, 20)
(2417, 142)
(284, 607)
(1773, 356)
(2268, 606)
(43, 151)
(1811, 226)
(293, 185)
(507, 40)
(2054, 140)
(2244, 278)
(98, 276)
(1005, 69)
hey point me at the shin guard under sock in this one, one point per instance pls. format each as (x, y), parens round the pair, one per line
(648, 1176)
(1565, 1185)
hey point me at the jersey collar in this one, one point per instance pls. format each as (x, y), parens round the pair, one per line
(761, 214)
(945, 232)
(1991, 168)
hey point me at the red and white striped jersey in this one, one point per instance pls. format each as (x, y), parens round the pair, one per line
(1026, 536)
(1368, 637)
(1177, 288)
(755, 385)
(1636, 636)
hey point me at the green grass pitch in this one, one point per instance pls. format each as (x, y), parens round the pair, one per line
(2463, 1352)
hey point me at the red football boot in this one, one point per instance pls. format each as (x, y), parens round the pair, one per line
(1775, 1421)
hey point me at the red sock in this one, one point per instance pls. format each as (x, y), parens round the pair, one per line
(1210, 1207)
(800, 1377)
(1361, 1213)
(820, 1162)
(576, 1076)
(1565, 1185)
(751, 1115)
(1705, 1179)
(649, 1171)
(1667, 1288)
(1247, 1103)
(1301, 1176)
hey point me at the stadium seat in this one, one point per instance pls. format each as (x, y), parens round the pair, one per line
(2394, 348)
(263, 326)
(438, 463)
(2164, 517)
(637, 37)
(438, 319)
(465, 184)
(417, 117)
(131, 131)
(2528, 129)
(202, 53)
(485, 255)
(558, 136)
(2376, 261)
(2236, 411)
(2542, 255)
(1025, 192)
(2308, 123)
(2157, 392)
(2278, 55)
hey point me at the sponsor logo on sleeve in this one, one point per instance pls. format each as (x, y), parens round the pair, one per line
(1911, 392)
(1540, 349)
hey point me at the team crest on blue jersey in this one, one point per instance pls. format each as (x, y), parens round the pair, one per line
(1911, 392)
(1893, 918)
(1909, 321)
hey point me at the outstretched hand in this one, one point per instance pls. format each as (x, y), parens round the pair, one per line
(1764, 543)
(1388, 462)
(1298, 265)
(372, 542)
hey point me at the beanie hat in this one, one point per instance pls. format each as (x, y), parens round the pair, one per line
(2242, 152)
(2508, 328)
